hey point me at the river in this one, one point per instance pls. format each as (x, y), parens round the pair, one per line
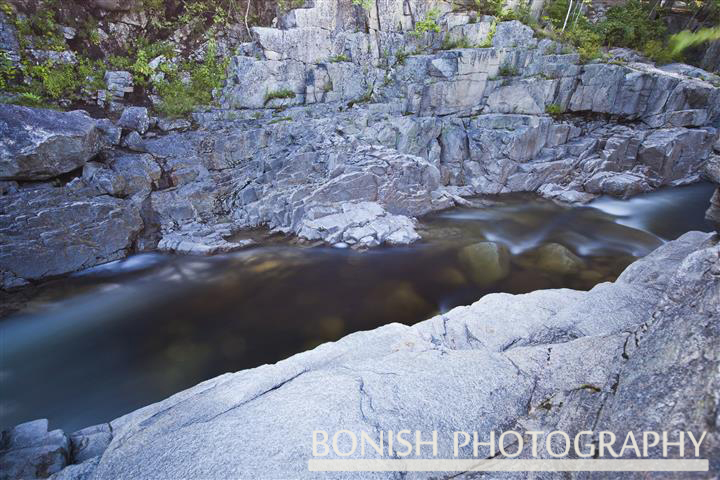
(95, 345)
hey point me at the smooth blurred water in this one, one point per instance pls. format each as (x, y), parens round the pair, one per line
(95, 345)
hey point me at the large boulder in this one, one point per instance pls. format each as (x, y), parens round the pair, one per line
(37, 144)
(30, 451)
(485, 262)
(56, 230)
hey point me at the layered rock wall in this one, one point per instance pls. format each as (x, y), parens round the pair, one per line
(343, 125)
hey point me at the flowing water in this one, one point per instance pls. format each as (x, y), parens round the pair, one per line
(93, 346)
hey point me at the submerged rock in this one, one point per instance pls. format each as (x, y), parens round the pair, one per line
(555, 258)
(485, 262)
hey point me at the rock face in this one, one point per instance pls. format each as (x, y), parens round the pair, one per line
(41, 144)
(332, 131)
(58, 230)
(639, 354)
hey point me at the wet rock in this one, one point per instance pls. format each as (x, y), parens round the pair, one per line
(362, 224)
(30, 451)
(135, 118)
(37, 144)
(712, 214)
(37, 219)
(712, 169)
(556, 258)
(485, 262)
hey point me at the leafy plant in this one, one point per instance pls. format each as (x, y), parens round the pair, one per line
(180, 97)
(488, 41)
(339, 58)
(508, 71)
(554, 109)
(586, 41)
(279, 94)
(428, 24)
(686, 39)
(461, 42)
(366, 4)
(489, 7)
(630, 25)
(401, 56)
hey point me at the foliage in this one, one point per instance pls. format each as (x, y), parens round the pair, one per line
(686, 39)
(401, 56)
(339, 58)
(279, 94)
(659, 52)
(461, 42)
(366, 4)
(586, 40)
(428, 24)
(630, 25)
(488, 41)
(28, 99)
(7, 71)
(180, 96)
(553, 109)
(489, 7)
(508, 71)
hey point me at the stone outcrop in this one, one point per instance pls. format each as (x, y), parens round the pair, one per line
(342, 125)
(41, 144)
(638, 354)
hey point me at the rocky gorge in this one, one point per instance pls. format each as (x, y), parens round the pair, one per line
(342, 126)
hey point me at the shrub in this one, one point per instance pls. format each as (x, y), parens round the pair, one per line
(630, 25)
(659, 53)
(279, 94)
(508, 71)
(489, 7)
(586, 41)
(428, 24)
(366, 4)
(181, 97)
(554, 109)
(462, 42)
(339, 58)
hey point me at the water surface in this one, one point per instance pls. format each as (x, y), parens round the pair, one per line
(93, 346)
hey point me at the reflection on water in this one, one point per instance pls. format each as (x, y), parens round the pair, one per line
(91, 347)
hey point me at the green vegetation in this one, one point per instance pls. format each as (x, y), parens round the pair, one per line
(686, 39)
(554, 109)
(461, 42)
(428, 24)
(366, 4)
(339, 58)
(280, 119)
(488, 41)
(508, 71)
(180, 96)
(281, 94)
(401, 56)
